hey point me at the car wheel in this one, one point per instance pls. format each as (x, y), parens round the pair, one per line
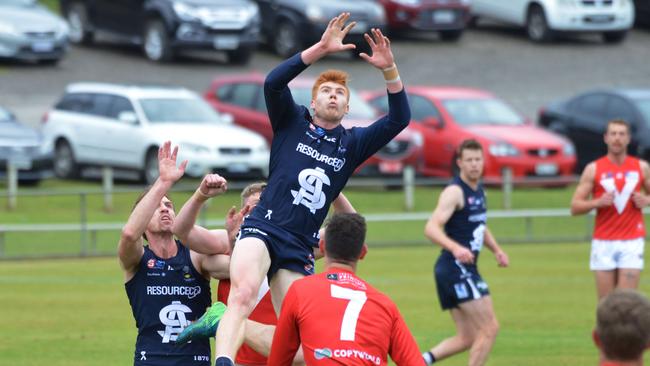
(157, 46)
(80, 28)
(286, 42)
(614, 37)
(150, 172)
(537, 26)
(451, 35)
(65, 165)
(240, 56)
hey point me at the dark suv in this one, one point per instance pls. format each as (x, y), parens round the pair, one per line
(292, 25)
(163, 27)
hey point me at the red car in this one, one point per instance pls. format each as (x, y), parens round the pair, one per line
(445, 116)
(242, 96)
(447, 17)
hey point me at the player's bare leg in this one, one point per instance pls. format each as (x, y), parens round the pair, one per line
(462, 341)
(249, 263)
(280, 283)
(628, 278)
(260, 337)
(481, 314)
(605, 282)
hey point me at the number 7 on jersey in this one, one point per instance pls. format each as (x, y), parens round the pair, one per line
(351, 315)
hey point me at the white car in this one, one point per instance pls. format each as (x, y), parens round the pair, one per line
(544, 18)
(122, 126)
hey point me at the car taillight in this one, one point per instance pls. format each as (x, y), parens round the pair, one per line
(45, 117)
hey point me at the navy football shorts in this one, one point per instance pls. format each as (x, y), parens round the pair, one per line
(457, 283)
(285, 249)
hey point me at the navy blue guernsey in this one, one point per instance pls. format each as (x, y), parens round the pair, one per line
(309, 165)
(467, 225)
(165, 296)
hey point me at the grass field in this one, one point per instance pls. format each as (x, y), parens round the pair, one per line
(75, 312)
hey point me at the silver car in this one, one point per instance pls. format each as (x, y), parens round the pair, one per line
(30, 32)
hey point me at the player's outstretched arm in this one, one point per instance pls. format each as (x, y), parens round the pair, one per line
(130, 248)
(580, 203)
(382, 58)
(500, 255)
(331, 41)
(193, 236)
(449, 201)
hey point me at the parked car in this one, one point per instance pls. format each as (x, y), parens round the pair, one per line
(583, 119)
(30, 32)
(545, 18)
(165, 27)
(447, 17)
(122, 126)
(24, 148)
(445, 116)
(289, 26)
(242, 96)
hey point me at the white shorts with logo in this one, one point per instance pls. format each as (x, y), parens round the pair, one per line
(607, 255)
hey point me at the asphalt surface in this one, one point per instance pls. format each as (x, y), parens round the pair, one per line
(491, 57)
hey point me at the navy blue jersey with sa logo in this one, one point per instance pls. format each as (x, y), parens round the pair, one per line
(309, 165)
(467, 225)
(165, 296)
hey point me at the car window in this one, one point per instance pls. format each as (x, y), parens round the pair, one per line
(422, 108)
(619, 108)
(224, 93)
(593, 104)
(119, 105)
(100, 103)
(482, 111)
(260, 103)
(74, 102)
(178, 110)
(644, 107)
(244, 95)
(381, 103)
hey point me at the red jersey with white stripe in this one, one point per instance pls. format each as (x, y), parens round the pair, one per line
(622, 220)
(341, 320)
(262, 313)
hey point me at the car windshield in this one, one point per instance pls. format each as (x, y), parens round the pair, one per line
(644, 108)
(178, 110)
(359, 109)
(468, 112)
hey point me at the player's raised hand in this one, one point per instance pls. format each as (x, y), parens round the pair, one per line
(382, 56)
(213, 185)
(639, 199)
(502, 258)
(463, 255)
(332, 39)
(607, 199)
(167, 169)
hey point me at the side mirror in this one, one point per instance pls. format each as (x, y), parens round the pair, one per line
(128, 117)
(432, 122)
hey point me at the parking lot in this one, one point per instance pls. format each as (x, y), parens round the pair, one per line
(491, 57)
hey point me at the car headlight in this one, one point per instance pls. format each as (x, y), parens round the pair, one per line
(568, 149)
(186, 12)
(195, 148)
(567, 3)
(417, 139)
(503, 149)
(624, 3)
(315, 13)
(62, 30)
(251, 11)
(8, 29)
(408, 2)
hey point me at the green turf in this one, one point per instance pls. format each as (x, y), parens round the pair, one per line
(75, 312)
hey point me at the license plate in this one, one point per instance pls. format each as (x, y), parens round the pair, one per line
(43, 46)
(390, 167)
(360, 27)
(601, 18)
(226, 42)
(21, 162)
(238, 168)
(444, 16)
(546, 169)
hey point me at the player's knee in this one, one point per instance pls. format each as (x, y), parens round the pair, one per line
(466, 341)
(243, 297)
(491, 329)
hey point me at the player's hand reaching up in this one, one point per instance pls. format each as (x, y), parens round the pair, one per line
(382, 56)
(332, 39)
(168, 171)
(213, 185)
(463, 255)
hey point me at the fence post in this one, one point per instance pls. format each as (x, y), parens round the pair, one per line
(528, 222)
(12, 185)
(506, 187)
(107, 184)
(83, 213)
(409, 187)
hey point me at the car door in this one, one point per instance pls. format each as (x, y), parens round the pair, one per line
(438, 139)
(587, 126)
(89, 126)
(124, 141)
